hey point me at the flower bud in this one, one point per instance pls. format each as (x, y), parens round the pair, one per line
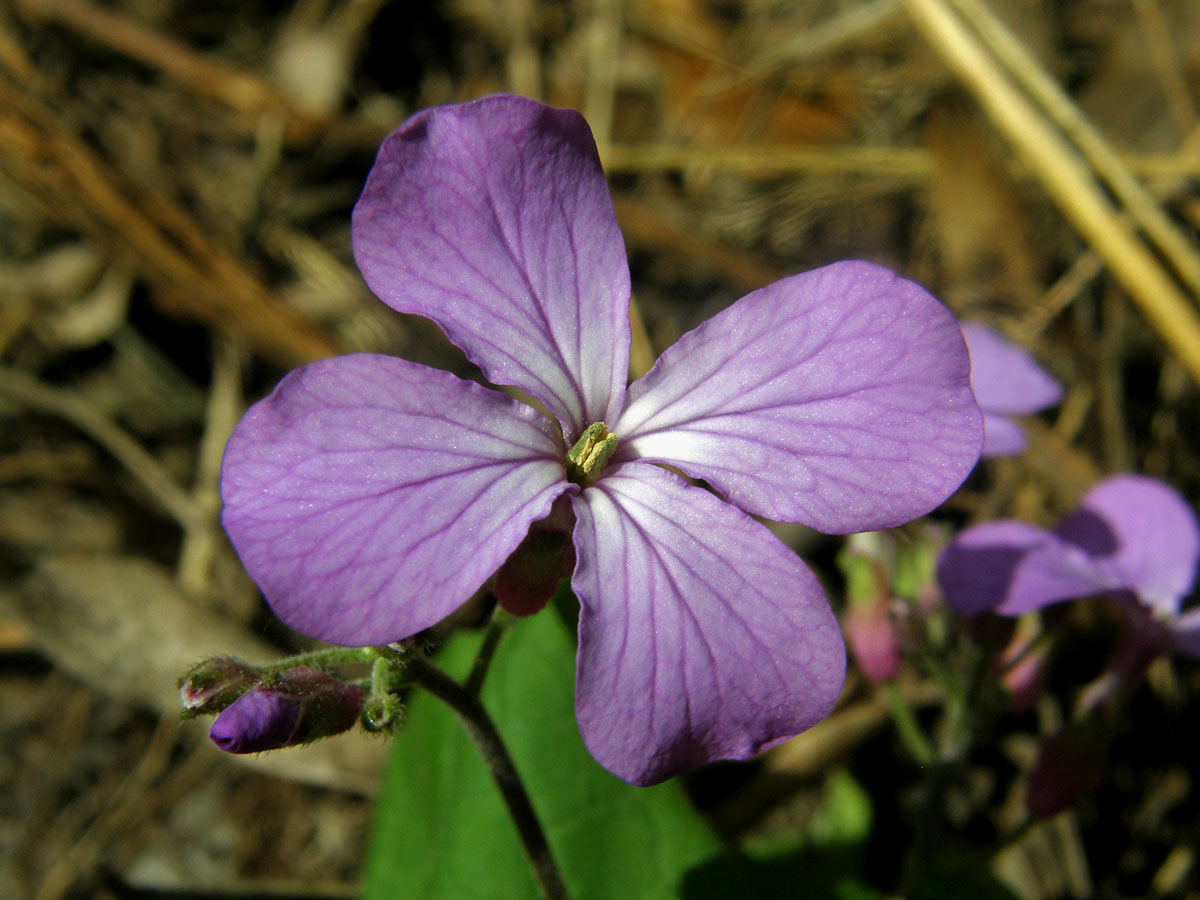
(867, 622)
(1022, 664)
(212, 684)
(293, 707)
(1023, 680)
(872, 639)
(1070, 764)
(528, 578)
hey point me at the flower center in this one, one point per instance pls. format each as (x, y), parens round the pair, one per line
(594, 448)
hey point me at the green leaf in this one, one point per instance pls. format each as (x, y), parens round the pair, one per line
(844, 815)
(952, 874)
(441, 829)
(827, 873)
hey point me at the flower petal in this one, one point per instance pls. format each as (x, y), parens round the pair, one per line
(494, 219)
(1143, 533)
(1012, 567)
(701, 636)
(1005, 376)
(1001, 436)
(369, 496)
(839, 398)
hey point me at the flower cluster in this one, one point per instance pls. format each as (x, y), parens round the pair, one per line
(1133, 540)
(261, 709)
(369, 496)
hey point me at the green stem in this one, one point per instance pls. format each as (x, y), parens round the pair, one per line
(1011, 839)
(906, 725)
(954, 739)
(487, 740)
(328, 656)
(379, 675)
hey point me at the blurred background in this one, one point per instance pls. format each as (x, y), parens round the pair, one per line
(176, 180)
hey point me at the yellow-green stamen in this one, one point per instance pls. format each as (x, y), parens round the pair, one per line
(587, 458)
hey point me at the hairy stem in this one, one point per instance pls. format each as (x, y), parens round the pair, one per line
(483, 659)
(379, 675)
(327, 656)
(483, 733)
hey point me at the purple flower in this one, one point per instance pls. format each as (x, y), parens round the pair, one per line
(1007, 382)
(1133, 537)
(369, 496)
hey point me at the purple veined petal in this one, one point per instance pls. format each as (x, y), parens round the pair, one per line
(369, 496)
(839, 398)
(1005, 376)
(1013, 567)
(701, 636)
(1001, 436)
(1143, 533)
(493, 218)
(1185, 630)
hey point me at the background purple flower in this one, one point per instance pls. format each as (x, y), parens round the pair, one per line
(1133, 539)
(1007, 382)
(1131, 536)
(369, 496)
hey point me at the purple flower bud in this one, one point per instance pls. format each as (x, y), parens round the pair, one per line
(212, 684)
(1023, 663)
(294, 707)
(260, 719)
(529, 577)
(1069, 765)
(873, 621)
(872, 639)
